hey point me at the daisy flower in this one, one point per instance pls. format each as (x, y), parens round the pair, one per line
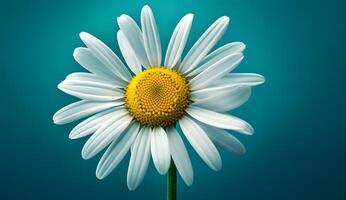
(138, 106)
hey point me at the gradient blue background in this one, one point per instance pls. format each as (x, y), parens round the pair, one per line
(297, 152)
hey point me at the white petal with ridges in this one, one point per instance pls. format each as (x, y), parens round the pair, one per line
(235, 79)
(139, 161)
(106, 133)
(151, 37)
(218, 54)
(204, 44)
(134, 36)
(180, 156)
(92, 90)
(224, 139)
(217, 69)
(178, 41)
(91, 77)
(117, 151)
(221, 100)
(128, 53)
(91, 124)
(160, 150)
(81, 109)
(219, 120)
(106, 56)
(201, 143)
(88, 60)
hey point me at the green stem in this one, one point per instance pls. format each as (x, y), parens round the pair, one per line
(172, 182)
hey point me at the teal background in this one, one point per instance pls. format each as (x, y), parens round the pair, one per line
(297, 152)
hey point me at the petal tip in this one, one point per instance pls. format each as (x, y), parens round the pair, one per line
(189, 183)
(146, 7)
(131, 187)
(83, 34)
(263, 79)
(189, 16)
(189, 180)
(122, 16)
(60, 85)
(85, 155)
(55, 116)
(99, 175)
(119, 18)
(122, 19)
(72, 136)
(249, 130)
(162, 171)
(242, 46)
(217, 167)
(226, 18)
(146, 12)
(75, 53)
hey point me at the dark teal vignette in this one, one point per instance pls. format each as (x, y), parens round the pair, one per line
(298, 150)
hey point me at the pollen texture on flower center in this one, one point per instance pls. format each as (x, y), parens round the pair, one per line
(157, 96)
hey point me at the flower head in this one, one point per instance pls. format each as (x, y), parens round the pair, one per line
(136, 107)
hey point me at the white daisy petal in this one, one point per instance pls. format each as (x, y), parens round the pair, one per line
(216, 70)
(219, 120)
(91, 77)
(218, 54)
(107, 133)
(234, 79)
(178, 40)
(81, 109)
(201, 143)
(128, 53)
(92, 90)
(160, 150)
(204, 44)
(222, 100)
(180, 156)
(151, 37)
(229, 82)
(134, 36)
(105, 56)
(117, 151)
(87, 60)
(208, 92)
(140, 156)
(224, 139)
(91, 124)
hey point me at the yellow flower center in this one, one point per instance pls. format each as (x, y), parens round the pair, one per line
(157, 96)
